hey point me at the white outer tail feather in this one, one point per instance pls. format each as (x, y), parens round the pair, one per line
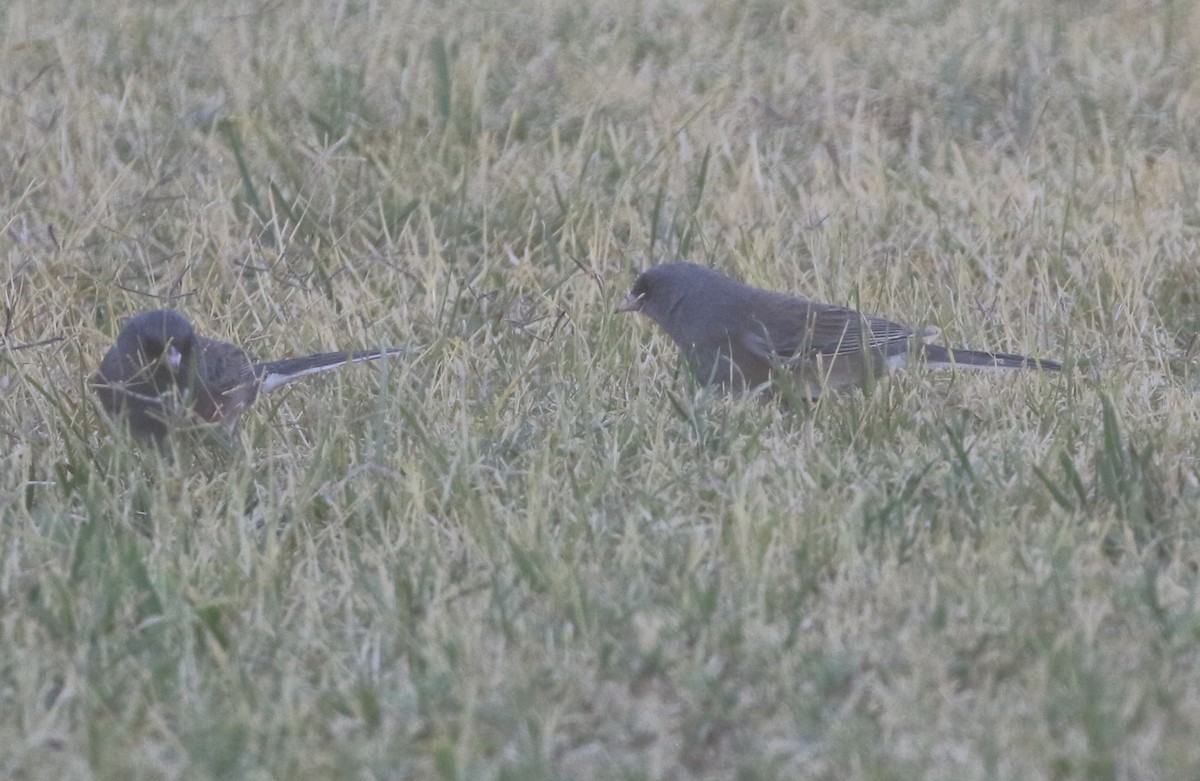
(270, 380)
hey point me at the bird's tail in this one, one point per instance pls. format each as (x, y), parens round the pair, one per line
(273, 374)
(936, 355)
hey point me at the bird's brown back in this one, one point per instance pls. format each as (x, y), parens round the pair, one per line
(223, 382)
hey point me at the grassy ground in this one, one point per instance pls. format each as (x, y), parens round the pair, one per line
(534, 551)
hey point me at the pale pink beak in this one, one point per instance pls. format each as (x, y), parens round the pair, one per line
(631, 303)
(174, 357)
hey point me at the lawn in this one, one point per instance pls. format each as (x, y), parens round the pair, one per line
(534, 548)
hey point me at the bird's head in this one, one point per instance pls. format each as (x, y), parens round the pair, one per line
(670, 292)
(160, 342)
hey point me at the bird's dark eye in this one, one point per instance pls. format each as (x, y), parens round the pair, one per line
(155, 347)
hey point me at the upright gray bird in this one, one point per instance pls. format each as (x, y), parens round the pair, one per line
(160, 368)
(740, 337)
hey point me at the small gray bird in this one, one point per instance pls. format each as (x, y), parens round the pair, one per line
(740, 337)
(159, 367)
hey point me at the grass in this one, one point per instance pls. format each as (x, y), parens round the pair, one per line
(534, 550)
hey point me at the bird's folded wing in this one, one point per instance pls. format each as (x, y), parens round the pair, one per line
(810, 330)
(221, 368)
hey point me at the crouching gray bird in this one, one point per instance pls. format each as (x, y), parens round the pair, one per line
(160, 371)
(741, 338)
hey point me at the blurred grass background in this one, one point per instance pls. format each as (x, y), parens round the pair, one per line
(534, 550)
